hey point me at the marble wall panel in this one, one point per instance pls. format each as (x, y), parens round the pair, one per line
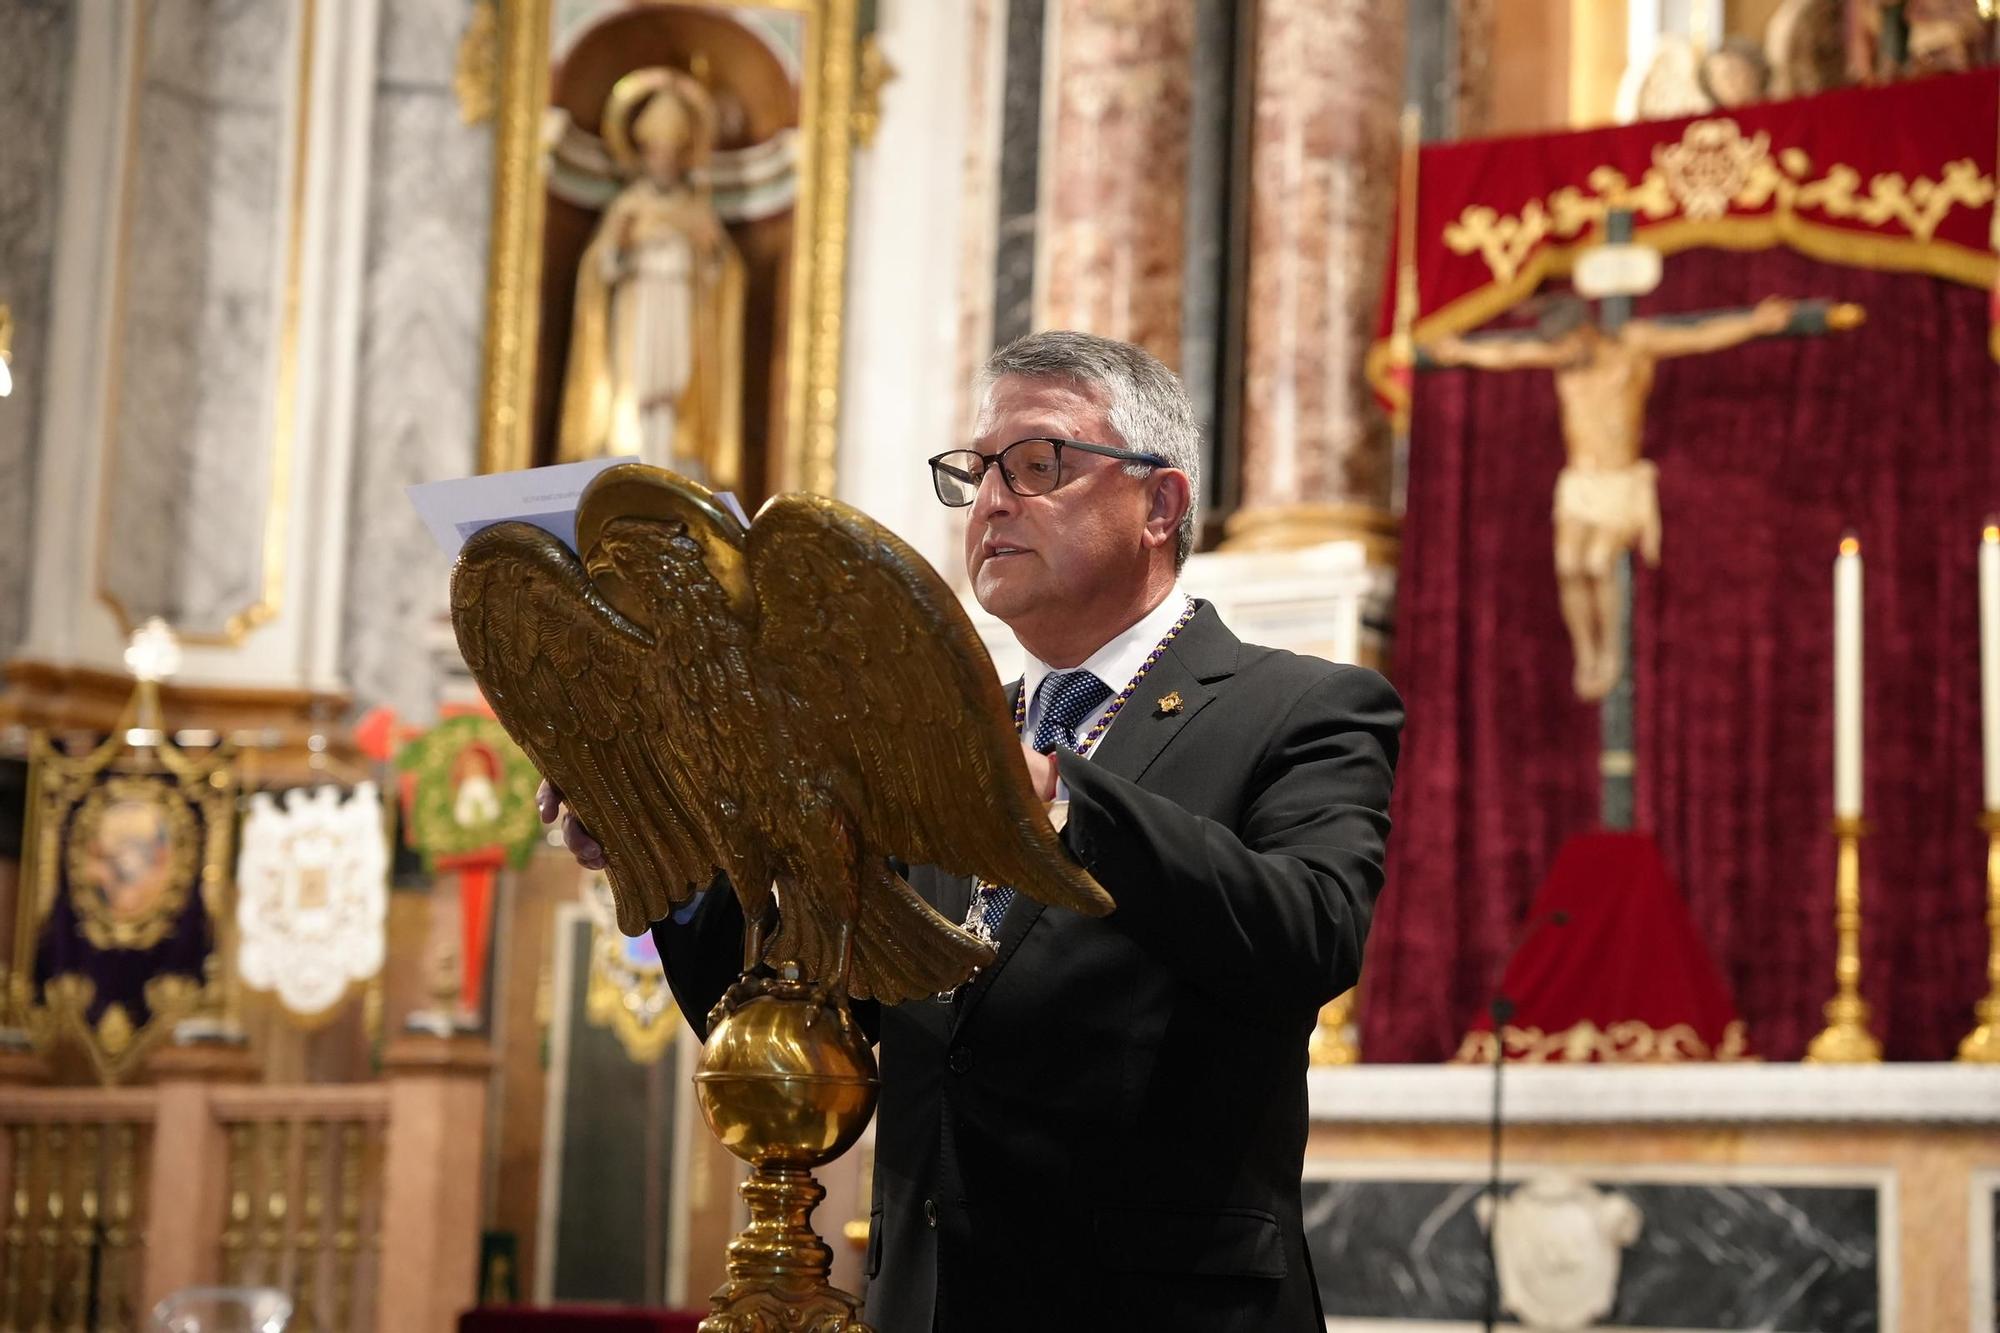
(979, 219)
(417, 386)
(1206, 258)
(201, 328)
(1114, 201)
(1019, 170)
(35, 60)
(1783, 1256)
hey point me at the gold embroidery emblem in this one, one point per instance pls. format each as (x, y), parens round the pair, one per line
(1170, 703)
(1711, 166)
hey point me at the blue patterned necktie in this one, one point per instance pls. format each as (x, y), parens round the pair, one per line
(1067, 697)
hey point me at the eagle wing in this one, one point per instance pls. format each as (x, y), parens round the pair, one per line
(877, 657)
(572, 679)
(664, 552)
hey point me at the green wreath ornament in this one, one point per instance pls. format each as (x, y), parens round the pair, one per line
(446, 819)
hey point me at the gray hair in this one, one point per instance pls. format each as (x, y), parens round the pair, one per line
(1144, 400)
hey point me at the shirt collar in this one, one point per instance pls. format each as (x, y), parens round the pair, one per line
(1118, 660)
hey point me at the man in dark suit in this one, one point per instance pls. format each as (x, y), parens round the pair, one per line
(1105, 1128)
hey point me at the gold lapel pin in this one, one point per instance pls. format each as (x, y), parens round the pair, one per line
(1170, 703)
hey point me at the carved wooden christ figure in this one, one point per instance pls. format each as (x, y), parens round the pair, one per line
(1607, 500)
(656, 352)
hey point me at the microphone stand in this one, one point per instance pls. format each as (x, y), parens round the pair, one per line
(1502, 1010)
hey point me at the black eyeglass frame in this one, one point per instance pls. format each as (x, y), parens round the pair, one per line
(939, 468)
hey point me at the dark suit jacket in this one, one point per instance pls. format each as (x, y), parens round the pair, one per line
(1105, 1129)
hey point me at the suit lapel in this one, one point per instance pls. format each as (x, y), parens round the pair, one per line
(1203, 653)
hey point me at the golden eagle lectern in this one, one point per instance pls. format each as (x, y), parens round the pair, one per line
(792, 704)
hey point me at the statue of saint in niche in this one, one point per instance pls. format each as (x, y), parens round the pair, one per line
(656, 350)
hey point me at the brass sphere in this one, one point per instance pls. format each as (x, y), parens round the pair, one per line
(786, 1080)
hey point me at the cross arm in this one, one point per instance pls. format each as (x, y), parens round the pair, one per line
(1493, 351)
(1714, 331)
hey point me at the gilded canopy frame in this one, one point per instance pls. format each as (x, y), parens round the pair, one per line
(814, 331)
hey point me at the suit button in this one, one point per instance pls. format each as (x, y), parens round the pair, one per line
(930, 1212)
(960, 1060)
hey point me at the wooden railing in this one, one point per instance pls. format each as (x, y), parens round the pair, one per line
(359, 1200)
(75, 1167)
(305, 1198)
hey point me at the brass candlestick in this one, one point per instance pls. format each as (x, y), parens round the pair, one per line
(1982, 1044)
(1333, 1040)
(1846, 1040)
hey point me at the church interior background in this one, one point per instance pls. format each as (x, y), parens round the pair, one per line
(1697, 846)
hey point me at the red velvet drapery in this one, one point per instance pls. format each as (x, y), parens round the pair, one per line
(1765, 454)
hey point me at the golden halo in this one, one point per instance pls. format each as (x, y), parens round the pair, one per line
(629, 96)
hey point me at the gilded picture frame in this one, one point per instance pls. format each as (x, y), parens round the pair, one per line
(804, 415)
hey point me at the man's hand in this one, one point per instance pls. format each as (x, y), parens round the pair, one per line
(581, 845)
(1041, 772)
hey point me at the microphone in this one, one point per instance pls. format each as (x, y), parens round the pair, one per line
(1501, 1009)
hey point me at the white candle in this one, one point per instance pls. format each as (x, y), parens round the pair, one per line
(1847, 679)
(1989, 656)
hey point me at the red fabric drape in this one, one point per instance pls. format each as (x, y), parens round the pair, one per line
(1613, 967)
(1765, 454)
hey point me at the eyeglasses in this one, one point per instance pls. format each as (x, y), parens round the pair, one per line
(1029, 467)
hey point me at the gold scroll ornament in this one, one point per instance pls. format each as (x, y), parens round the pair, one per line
(1713, 170)
(1715, 186)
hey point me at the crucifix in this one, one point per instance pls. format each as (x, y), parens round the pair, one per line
(1606, 499)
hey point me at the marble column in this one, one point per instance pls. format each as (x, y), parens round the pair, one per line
(1315, 454)
(416, 398)
(1473, 115)
(1115, 137)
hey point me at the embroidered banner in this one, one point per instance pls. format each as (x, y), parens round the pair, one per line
(628, 990)
(1898, 178)
(312, 901)
(126, 850)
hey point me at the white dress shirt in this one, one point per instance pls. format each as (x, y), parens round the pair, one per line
(1115, 663)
